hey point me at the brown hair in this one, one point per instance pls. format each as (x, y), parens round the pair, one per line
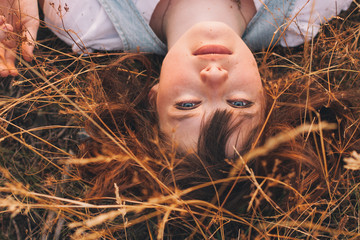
(124, 114)
(145, 162)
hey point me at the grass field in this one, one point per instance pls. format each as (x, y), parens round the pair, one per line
(43, 196)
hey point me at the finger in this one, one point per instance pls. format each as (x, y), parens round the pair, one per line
(7, 61)
(4, 30)
(4, 72)
(27, 47)
(10, 62)
(7, 57)
(2, 19)
(31, 28)
(7, 50)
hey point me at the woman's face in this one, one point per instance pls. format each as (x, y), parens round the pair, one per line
(209, 68)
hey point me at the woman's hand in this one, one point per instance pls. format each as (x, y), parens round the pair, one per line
(19, 23)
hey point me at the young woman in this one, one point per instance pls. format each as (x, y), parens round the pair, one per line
(209, 65)
(209, 100)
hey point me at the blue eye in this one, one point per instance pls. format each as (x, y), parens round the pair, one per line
(240, 103)
(187, 105)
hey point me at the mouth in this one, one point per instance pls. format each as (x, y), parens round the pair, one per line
(212, 49)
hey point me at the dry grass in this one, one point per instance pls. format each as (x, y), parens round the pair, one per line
(42, 194)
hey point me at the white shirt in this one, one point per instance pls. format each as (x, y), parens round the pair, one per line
(85, 23)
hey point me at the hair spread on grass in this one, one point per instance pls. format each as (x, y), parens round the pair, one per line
(128, 181)
(135, 125)
(295, 96)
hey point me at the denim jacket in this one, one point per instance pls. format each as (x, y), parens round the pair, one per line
(264, 30)
(269, 24)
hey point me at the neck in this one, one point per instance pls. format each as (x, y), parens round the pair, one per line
(172, 18)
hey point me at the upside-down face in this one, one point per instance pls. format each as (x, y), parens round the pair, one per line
(209, 68)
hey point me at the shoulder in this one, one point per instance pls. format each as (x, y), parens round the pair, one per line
(328, 7)
(146, 8)
(323, 8)
(299, 19)
(307, 17)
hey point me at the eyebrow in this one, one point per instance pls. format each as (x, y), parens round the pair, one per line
(238, 114)
(180, 117)
(244, 114)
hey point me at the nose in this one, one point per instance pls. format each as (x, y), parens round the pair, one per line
(213, 75)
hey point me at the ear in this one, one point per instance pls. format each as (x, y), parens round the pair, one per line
(152, 95)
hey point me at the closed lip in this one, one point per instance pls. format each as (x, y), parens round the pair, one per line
(212, 49)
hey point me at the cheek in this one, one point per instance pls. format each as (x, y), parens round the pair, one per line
(248, 78)
(178, 75)
(175, 65)
(161, 108)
